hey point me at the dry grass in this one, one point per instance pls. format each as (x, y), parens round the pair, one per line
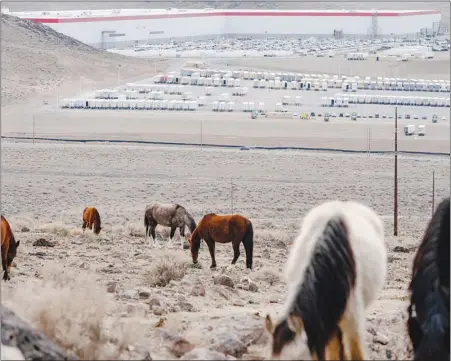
(268, 275)
(71, 310)
(170, 267)
(273, 238)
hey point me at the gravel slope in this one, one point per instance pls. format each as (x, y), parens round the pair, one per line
(35, 60)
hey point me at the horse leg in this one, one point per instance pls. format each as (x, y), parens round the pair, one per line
(84, 227)
(4, 262)
(182, 235)
(211, 249)
(236, 252)
(249, 249)
(155, 241)
(171, 236)
(334, 348)
(353, 328)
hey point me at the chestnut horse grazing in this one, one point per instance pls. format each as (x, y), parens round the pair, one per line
(9, 248)
(91, 219)
(169, 215)
(428, 322)
(223, 229)
(336, 268)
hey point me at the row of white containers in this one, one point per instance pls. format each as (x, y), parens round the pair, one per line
(222, 106)
(237, 91)
(341, 100)
(349, 84)
(251, 75)
(288, 100)
(129, 104)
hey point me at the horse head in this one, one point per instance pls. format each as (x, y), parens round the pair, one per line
(285, 336)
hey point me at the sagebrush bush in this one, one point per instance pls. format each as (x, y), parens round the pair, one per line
(167, 268)
(71, 310)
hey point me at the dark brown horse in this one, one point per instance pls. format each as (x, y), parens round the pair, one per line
(91, 219)
(428, 322)
(9, 248)
(223, 229)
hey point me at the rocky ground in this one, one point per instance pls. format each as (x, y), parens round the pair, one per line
(67, 284)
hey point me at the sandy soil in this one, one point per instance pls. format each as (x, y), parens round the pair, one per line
(434, 69)
(46, 186)
(231, 129)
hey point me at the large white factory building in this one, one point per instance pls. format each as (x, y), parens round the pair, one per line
(107, 28)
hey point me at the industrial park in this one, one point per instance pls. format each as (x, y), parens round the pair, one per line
(261, 112)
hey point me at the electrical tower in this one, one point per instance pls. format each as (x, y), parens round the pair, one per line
(374, 24)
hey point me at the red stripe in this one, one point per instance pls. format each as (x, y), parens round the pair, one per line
(228, 13)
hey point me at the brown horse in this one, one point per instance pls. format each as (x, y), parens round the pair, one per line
(9, 248)
(91, 219)
(223, 229)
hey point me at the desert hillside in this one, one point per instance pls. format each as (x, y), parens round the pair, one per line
(35, 60)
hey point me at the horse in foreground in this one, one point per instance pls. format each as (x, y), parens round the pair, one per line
(91, 219)
(9, 248)
(428, 322)
(223, 229)
(168, 215)
(336, 268)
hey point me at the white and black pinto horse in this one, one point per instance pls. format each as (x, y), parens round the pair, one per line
(428, 322)
(169, 215)
(336, 268)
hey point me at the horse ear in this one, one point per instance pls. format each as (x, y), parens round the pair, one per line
(268, 324)
(295, 323)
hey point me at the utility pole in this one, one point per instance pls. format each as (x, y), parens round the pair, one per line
(201, 135)
(231, 193)
(33, 128)
(433, 191)
(395, 221)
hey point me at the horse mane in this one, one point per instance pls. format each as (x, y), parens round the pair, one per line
(98, 222)
(430, 275)
(330, 275)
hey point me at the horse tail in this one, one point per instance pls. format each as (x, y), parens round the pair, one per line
(146, 223)
(248, 243)
(333, 262)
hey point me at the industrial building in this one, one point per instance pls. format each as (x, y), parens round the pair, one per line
(109, 28)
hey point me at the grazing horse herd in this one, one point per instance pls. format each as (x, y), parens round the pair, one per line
(336, 268)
